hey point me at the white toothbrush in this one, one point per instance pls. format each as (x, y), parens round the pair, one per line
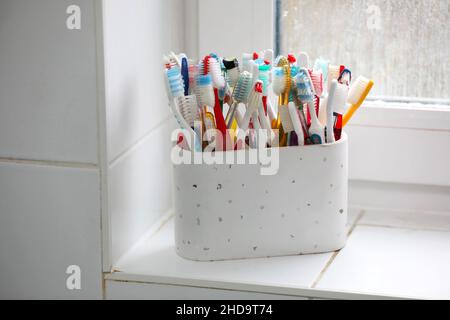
(306, 94)
(336, 103)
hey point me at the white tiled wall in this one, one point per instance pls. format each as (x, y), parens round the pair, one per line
(49, 173)
(48, 95)
(136, 35)
(49, 220)
(140, 189)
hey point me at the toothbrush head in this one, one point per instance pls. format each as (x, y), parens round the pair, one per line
(246, 58)
(359, 90)
(243, 87)
(291, 58)
(303, 60)
(305, 88)
(345, 77)
(193, 73)
(255, 97)
(174, 82)
(337, 99)
(204, 91)
(254, 67)
(322, 64)
(268, 55)
(210, 65)
(317, 80)
(279, 81)
(188, 108)
(232, 71)
(264, 76)
(333, 74)
(283, 62)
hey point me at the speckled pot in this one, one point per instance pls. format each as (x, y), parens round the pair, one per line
(232, 211)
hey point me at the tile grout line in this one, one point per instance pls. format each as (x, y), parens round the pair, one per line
(335, 254)
(138, 142)
(429, 229)
(49, 163)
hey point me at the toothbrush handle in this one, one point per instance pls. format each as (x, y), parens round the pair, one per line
(220, 121)
(230, 115)
(349, 114)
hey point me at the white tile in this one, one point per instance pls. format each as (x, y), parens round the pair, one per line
(49, 220)
(116, 290)
(137, 33)
(439, 221)
(139, 189)
(395, 262)
(48, 99)
(156, 257)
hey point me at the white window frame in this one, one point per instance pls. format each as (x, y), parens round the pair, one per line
(429, 157)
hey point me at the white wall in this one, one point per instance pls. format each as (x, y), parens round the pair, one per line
(136, 35)
(49, 173)
(234, 26)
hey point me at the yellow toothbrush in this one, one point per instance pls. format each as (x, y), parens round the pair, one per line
(356, 96)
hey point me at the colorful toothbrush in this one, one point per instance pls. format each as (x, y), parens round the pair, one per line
(336, 103)
(306, 94)
(232, 71)
(175, 90)
(205, 100)
(358, 93)
(240, 95)
(333, 74)
(282, 87)
(254, 100)
(210, 65)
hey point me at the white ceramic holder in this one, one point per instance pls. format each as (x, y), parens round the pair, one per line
(232, 211)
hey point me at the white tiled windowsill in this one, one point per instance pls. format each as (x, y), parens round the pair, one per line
(389, 254)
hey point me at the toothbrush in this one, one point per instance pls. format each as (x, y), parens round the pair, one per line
(303, 60)
(210, 65)
(297, 116)
(265, 107)
(345, 77)
(282, 87)
(240, 95)
(301, 114)
(246, 58)
(322, 65)
(175, 90)
(193, 71)
(268, 55)
(255, 98)
(333, 74)
(336, 101)
(358, 93)
(185, 74)
(232, 71)
(306, 94)
(205, 100)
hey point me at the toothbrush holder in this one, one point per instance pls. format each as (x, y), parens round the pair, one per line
(225, 212)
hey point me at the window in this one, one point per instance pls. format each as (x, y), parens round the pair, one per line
(403, 45)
